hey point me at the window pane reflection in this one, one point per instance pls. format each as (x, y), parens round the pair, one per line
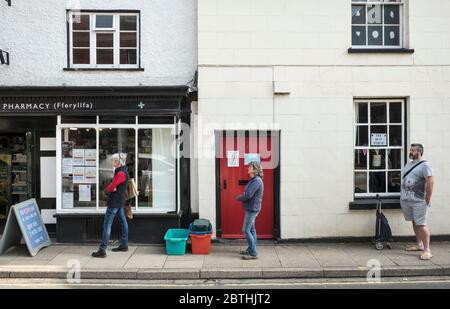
(156, 169)
(113, 141)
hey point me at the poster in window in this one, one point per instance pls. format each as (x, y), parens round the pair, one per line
(233, 158)
(251, 157)
(84, 193)
(67, 200)
(378, 139)
(90, 157)
(67, 167)
(78, 157)
(78, 174)
(90, 174)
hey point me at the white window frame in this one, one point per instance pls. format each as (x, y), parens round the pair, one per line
(93, 41)
(100, 210)
(369, 147)
(402, 25)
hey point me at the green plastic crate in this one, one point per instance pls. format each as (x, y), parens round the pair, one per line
(176, 241)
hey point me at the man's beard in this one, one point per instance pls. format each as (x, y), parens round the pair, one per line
(412, 157)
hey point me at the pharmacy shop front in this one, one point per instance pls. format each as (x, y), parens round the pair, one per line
(56, 146)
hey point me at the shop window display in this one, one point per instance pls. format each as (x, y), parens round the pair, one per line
(86, 167)
(156, 168)
(79, 168)
(114, 141)
(15, 170)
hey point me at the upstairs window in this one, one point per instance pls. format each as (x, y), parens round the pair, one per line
(104, 40)
(377, 23)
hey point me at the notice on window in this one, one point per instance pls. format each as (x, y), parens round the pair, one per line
(90, 157)
(84, 193)
(78, 157)
(233, 158)
(67, 166)
(378, 139)
(90, 175)
(67, 200)
(78, 174)
(252, 157)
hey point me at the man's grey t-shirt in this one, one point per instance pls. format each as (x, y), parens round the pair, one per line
(414, 184)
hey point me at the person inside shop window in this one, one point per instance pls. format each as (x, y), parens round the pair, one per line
(115, 203)
(252, 200)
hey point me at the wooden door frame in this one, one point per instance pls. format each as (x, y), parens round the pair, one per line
(218, 137)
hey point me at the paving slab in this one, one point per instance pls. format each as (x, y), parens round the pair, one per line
(296, 257)
(68, 259)
(403, 258)
(362, 256)
(113, 260)
(332, 256)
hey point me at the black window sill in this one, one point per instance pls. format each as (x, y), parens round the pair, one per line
(371, 203)
(105, 69)
(380, 51)
(135, 215)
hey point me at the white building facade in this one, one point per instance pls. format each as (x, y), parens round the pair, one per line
(85, 79)
(346, 86)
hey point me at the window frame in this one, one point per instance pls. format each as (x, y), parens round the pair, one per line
(93, 31)
(402, 25)
(402, 147)
(96, 126)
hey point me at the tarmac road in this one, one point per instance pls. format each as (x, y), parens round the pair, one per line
(388, 283)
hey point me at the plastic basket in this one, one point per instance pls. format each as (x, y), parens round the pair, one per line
(176, 241)
(199, 233)
(200, 244)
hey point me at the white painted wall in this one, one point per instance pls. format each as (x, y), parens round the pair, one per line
(34, 32)
(247, 45)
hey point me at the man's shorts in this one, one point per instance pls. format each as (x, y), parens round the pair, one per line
(415, 211)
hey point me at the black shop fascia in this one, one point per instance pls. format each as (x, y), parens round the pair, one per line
(56, 145)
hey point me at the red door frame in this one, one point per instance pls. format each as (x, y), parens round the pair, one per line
(276, 136)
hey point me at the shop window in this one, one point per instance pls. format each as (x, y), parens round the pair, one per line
(379, 146)
(156, 168)
(15, 170)
(377, 24)
(113, 141)
(86, 169)
(104, 40)
(79, 168)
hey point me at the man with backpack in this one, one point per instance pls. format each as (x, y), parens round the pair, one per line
(415, 198)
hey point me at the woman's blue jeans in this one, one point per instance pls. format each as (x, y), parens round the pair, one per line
(107, 224)
(248, 228)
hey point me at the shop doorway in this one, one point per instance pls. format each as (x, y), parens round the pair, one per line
(15, 170)
(235, 151)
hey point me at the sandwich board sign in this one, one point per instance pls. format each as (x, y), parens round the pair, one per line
(25, 221)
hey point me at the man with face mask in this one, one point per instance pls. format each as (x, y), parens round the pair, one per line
(416, 191)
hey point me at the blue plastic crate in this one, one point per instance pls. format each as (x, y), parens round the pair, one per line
(176, 241)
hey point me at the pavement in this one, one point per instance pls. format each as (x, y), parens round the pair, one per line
(276, 261)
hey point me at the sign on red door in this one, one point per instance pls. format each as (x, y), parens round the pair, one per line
(236, 151)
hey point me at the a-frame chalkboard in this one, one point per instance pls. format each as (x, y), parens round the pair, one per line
(25, 221)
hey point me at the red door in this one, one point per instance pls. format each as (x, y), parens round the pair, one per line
(236, 151)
